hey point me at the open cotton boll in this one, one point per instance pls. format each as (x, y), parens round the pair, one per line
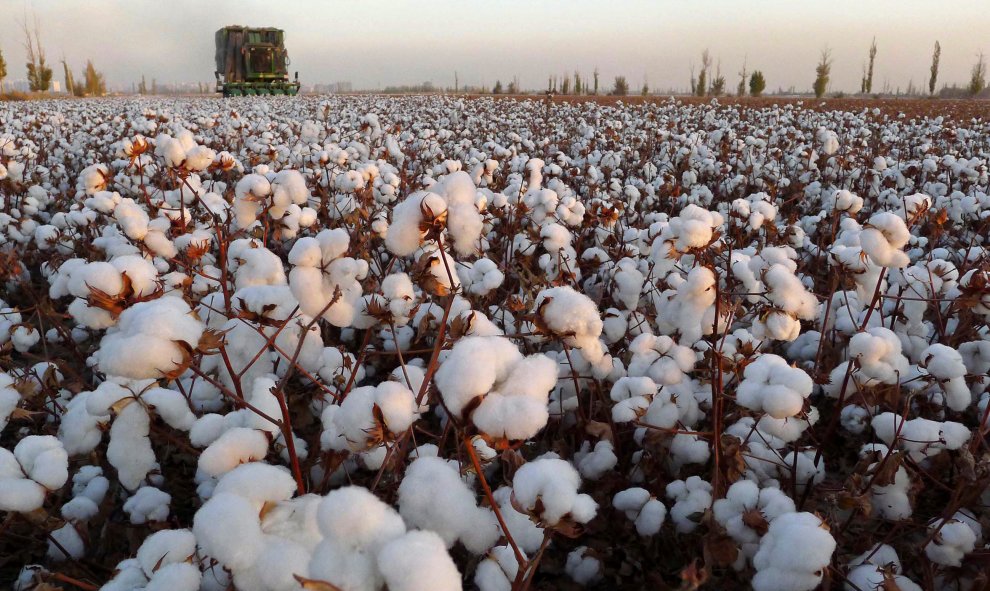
(234, 447)
(354, 425)
(17, 493)
(574, 318)
(418, 561)
(692, 497)
(433, 496)
(582, 567)
(646, 512)
(595, 463)
(945, 364)
(288, 187)
(66, 543)
(43, 459)
(793, 554)
(405, 234)
(746, 508)
(554, 483)
(258, 482)
(169, 546)
(148, 504)
(325, 282)
(883, 237)
(920, 437)
(771, 385)
(149, 340)
(357, 519)
(955, 539)
(498, 570)
(176, 577)
(9, 399)
(514, 390)
(227, 528)
(891, 501)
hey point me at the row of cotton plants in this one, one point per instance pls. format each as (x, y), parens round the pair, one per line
(428, 343)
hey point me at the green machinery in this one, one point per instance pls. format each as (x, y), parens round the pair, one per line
(253, 61)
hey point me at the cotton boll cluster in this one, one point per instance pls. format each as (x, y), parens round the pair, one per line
(404, 342)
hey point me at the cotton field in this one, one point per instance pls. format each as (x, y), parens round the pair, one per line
(434, 343)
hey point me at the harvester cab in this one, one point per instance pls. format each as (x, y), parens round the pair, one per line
(253, 61)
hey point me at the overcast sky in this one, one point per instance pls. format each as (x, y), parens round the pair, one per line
(381, 42)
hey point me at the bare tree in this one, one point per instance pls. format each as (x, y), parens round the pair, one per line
(706, 63)
(934, 69)
(595, 76)
(741, 87)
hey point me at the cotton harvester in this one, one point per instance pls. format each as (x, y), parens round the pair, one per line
(253, 62)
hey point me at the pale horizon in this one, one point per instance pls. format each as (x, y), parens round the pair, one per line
(378, 43)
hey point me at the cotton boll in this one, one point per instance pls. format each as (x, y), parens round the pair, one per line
(176, 577)
(418, 561)
(793, 554)
(433, 496)
(954, 539)
(228, 529)
(497, 571)
(745, 508)
(145, 343)
(148, 504)
(574, 316)
(582, 566)
(554, 483)
(232, 448)
(43, 460)
(882, 239)
(69, 544)
(646, 512)
(945, 364)
(692, 498)
(355, 517)
(593, 464)
(772, 386)
(170, 546)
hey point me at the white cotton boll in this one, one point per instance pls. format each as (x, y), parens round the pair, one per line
(920, 437)
(148, 504)
(514, 390)
(144, 343)
(646, 512)
(582, 567)
(345, 567)
(130, 450)
(9, 399)
(227, 528)
(44, 460)
(945, 364)
(236, 446)
(69, 541)
(692, 498)
(357, 518)
(20, 495)
(793, 554)
(433, 496)
(953, 541)
(418, 561)
(288, 187)
(79, 509)
(892, 501)
(745, 503)
(555, 483)
(169, 546)
(176, 577)
(316, 281)
(574, 317)
(882, 239)
(596, 463)
(258, 482)
(497, 571)
(171, 406)
(771, 385)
